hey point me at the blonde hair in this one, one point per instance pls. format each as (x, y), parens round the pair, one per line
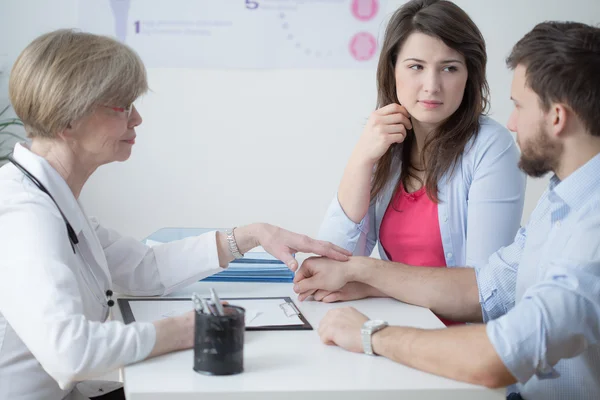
(62, 75)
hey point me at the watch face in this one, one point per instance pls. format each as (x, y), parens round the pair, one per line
(374, 323)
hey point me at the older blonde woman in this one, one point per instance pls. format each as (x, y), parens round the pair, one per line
(74, 93)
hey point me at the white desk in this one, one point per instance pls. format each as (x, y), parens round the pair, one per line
(295, 365)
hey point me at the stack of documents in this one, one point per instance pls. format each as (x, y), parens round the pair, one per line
(256, 266)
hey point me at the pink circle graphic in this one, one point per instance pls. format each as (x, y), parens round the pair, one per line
(364, 10)
(363, 46)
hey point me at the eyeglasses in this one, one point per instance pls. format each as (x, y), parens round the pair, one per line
(127, 109)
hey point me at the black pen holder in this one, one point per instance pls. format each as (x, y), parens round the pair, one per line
(219, 342)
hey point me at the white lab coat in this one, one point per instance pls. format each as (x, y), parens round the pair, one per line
(53, 311)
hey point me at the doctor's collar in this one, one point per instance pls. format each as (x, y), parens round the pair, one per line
(54, 183)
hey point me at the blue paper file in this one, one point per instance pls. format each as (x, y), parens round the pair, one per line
(254, 267)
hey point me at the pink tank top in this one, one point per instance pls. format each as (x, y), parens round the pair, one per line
(410, 231)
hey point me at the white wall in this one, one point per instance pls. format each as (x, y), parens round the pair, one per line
(224, 148)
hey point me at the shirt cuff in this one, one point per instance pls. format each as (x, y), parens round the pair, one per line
(340, 230)
(492, 304)
(517, 337)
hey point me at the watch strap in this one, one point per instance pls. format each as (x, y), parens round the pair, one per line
(233, 247)
(367, 332)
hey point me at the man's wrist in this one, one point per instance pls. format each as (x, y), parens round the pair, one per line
(378, 340)
(381, 338)
(392, 341)
(359, 268)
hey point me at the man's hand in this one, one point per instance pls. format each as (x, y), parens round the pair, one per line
(341, 327)
(350, 291)
(322, 273)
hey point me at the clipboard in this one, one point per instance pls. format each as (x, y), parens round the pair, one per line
(285, 304)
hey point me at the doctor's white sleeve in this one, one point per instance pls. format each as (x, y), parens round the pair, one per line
(141, 270)
(41, 300)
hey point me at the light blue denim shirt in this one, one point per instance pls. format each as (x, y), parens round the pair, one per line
(480, 207)
(541, 295)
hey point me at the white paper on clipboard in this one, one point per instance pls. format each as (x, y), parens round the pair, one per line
(259, 312)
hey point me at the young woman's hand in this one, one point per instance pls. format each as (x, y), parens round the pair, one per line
(385, 126)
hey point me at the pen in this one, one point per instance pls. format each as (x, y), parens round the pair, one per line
(206, 307)
(217, 301)
(197, 303)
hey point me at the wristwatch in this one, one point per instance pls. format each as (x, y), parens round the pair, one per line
(367, 331)
(233, 244)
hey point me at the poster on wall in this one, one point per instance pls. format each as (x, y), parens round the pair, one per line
(243, 33)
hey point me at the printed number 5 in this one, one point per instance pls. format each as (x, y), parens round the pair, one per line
(251, 5)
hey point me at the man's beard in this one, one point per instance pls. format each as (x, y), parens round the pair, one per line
(540, 155)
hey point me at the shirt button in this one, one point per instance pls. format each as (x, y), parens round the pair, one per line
(557, 224)
(445, 218)
(449, 255)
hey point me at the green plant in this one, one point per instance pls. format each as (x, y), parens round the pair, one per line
(8, 139)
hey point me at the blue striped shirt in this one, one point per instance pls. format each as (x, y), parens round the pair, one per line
(540, 296)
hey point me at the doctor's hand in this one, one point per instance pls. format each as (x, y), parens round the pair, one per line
(282, 244)
(341, 327)
(319, 273)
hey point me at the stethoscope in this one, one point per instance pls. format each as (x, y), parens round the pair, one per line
(70, 231)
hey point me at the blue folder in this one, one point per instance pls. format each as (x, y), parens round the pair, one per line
(254, 269)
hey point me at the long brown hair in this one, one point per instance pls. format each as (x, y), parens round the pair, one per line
(445, 146)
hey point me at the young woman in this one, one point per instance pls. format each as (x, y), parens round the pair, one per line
(432, 180)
